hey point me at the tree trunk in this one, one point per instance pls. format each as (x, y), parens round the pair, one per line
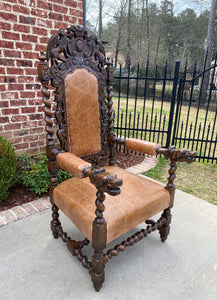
(141, 56)
(211, 28)
(147, 30)
(170, 52)
(120, 25)
(159, 37)
(117, 47)
(157, 49)
(100, 20)
(209, 45)
(128, 33)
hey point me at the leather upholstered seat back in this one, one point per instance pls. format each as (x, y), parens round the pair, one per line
(76, 68)
(82, 110)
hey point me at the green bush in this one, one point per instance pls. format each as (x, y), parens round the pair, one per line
(8, 165)
(63, 175)
(34, 174)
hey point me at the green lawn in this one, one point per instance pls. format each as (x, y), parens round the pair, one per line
(197, 179)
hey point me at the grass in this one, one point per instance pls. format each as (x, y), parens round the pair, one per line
(165, 110)
(196, 179)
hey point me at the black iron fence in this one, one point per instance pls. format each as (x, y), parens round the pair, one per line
(171, 108)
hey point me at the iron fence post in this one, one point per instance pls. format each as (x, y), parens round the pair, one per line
(84, 13)
(173, 101)
(177, 110)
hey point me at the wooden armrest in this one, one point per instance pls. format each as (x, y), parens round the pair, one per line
(71, 163)
(142, 146)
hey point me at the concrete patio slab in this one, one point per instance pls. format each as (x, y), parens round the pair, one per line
(35, 266)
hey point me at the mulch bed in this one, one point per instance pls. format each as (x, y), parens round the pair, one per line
(20, 194)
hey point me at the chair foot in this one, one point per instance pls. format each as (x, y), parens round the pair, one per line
(97, 271)
(165, 229)
(98, 280)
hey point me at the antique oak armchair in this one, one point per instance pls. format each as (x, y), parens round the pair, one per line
(76, 66)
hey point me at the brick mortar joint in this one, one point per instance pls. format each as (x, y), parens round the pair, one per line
(41, 200)
(24, 210)
(3, 221)
(11, 211)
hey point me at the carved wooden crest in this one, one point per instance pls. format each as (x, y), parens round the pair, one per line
(75, 49)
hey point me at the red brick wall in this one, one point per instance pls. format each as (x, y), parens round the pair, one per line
(26, 26)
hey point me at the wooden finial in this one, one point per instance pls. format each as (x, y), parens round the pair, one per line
(42, 56)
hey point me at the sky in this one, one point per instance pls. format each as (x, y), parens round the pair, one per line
(109, 7)
(180, 5)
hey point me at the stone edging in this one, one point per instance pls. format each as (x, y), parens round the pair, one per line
(27, 209)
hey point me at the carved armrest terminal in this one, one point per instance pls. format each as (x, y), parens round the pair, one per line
(104, 181)
(176, 154)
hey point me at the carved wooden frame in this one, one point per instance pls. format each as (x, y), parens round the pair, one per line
(67, 52)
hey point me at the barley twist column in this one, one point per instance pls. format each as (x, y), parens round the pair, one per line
(110, 76)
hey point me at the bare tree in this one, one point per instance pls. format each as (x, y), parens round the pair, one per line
(120, 26)
(147, 30)
(100, 20)
(209, 46)
(159, 39)
(141, 30)
(128, 33)
(210, 31)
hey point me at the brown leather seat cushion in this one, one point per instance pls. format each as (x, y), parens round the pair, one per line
(140, 199)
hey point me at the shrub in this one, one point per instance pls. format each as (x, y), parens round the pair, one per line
(34, 174)
(8, 165)
(63, 175)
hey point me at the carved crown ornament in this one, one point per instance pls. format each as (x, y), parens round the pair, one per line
(74, 48)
